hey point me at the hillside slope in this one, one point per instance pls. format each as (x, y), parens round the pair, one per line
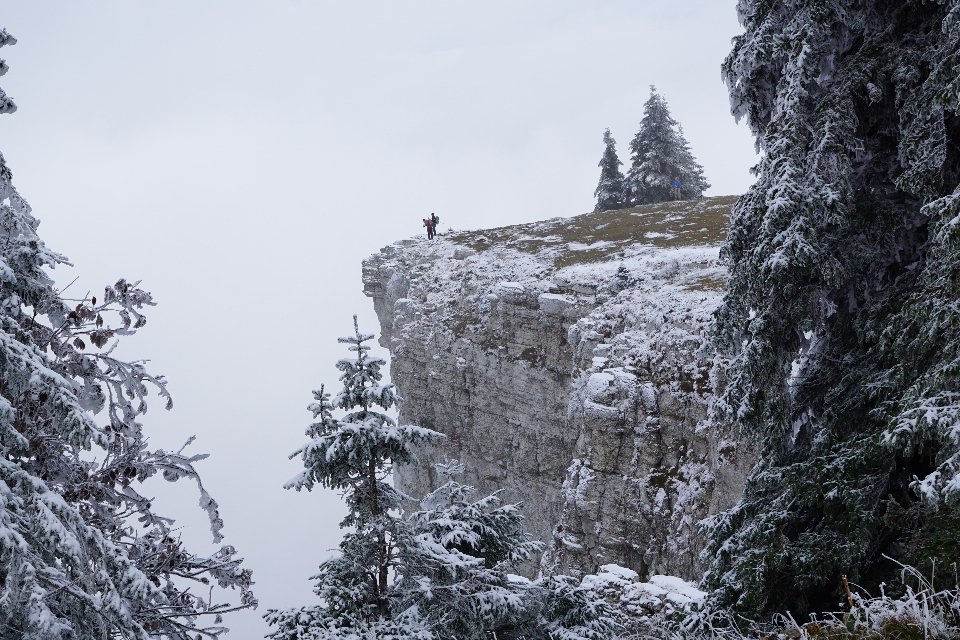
(565, 360)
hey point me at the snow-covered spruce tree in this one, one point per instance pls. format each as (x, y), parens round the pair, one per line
(82, 554)
(441, 572)
(610, 191)
(455, 573)
(455, 566)
(841, 314)
(354, 454)
(659, 153)
(565, 611)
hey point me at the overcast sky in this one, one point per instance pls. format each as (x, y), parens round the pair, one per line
(242, 157)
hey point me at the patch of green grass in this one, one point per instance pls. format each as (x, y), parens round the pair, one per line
(707, 283)
(666, 224)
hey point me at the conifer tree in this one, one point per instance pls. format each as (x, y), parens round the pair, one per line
(354, 454)
(456, 571)
(610, 191)
(440, 572)
(82, 553)
(460, 585)
(840, 316)
(659, 153)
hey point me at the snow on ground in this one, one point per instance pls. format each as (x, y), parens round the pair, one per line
(669, 247)
(662, 595)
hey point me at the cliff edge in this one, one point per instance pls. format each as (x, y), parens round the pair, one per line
(566, 360)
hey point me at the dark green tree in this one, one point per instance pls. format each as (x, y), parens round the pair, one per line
(609, 191)
(441, 572)
(841, 317)
(355, 454)
(660, 153)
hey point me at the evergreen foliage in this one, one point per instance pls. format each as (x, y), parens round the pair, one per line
(456, 572)
(610, 191)
(82, 553)
(354, 454)
(7, 104)
(659, 153)
(841, 315)
(566, 611)
(441, 572)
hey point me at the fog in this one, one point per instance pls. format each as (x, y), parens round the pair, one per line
(241, 158)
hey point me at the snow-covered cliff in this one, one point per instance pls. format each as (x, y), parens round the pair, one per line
(566, 361)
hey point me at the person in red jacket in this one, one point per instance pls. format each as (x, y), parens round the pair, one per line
(428, 223)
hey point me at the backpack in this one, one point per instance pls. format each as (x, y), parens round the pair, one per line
(436, 220)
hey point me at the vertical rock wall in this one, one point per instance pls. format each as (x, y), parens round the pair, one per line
(565, 361)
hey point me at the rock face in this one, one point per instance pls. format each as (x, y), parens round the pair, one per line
(566, 362)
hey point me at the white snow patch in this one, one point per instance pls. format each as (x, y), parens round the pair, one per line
(679, 587)
(579, 246)
(620, 572)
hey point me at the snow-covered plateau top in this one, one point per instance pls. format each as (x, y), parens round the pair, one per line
(562, 263)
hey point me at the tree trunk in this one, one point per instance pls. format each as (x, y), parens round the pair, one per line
(380, 585)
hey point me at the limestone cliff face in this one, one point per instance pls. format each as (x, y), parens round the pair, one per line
(566, 362)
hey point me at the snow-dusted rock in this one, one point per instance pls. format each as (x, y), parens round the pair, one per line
(565, 360)
(633, 598)
(556, 304)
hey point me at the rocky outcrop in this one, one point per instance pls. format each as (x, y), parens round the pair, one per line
(566, 362)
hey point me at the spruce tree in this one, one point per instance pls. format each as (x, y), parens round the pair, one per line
(82, 553)
(456, 574)
(659, 153)
(441, 572)
(354, 454)
(610, 191)
(840, 317)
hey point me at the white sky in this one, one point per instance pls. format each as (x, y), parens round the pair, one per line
(242, 157)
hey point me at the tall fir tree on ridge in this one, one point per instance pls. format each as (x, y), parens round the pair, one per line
(841, 312)
(610, 191)
(440, 572)
(82, 553)
(659, 153)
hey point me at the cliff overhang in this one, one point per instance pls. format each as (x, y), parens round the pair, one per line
(568, 363)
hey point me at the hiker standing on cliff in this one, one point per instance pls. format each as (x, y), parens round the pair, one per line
(428, 223)
(676, 188)
(435, 219)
